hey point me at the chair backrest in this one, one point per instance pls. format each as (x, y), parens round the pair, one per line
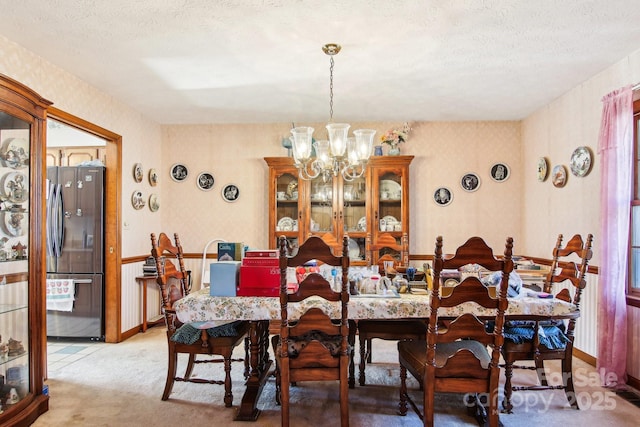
(564, 268)
(314, 284)
(172, 280)
(386, 248)
(470, 289)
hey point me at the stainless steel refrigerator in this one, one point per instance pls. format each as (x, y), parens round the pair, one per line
(75, 250)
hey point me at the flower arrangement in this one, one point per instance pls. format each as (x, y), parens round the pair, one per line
(395, 136)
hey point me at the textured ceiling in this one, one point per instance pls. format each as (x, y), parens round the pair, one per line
(240, 61)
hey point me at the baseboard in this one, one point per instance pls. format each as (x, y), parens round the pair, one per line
(131, 332)
(633, 382)
(584, 356)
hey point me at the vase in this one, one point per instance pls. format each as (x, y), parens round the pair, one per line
(394, 150)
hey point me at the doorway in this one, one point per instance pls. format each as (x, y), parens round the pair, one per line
(113, 183)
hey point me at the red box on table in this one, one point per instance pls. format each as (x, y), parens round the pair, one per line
(259, 281)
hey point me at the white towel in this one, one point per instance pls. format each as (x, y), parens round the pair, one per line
(60, 294)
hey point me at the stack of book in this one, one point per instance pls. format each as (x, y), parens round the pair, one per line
(149, 267)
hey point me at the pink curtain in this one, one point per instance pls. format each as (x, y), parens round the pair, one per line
(616, 183)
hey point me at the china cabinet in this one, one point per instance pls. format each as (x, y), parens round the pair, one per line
(364, 208)
(22, 276)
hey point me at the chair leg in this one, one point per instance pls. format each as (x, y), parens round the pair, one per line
(190, 364)
(369, 350)
(352, 342)
(284, 392)
(344, 403)
(402, 405)
(171, 372)
(542, 377)
(228, 395)
(363, 357)
(567, 374)
(508, 390)
(429, 398)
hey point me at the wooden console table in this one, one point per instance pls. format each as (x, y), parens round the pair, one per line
(144, 282)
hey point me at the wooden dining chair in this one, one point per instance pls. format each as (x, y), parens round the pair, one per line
(185, 338)
(314, 347)
(456, 359)
(536, 340)
(394, 330)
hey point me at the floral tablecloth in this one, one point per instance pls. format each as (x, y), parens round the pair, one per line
(200, 307)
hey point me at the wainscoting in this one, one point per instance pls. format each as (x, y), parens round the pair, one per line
(132, 294)
(586, 336)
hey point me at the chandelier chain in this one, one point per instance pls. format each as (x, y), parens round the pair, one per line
(331, 89)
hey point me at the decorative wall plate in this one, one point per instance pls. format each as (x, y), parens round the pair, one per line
(153, 177)
(581, 160)
(443, 196)
(138, 173)
(205, 181)
(15, 223)
(230, 193)
(500, 172)
(154, 204)
(15, 187)
(559, 176)
(179, 172)
(137, 201)
(543, 169)
(15, 153)
(470, 182)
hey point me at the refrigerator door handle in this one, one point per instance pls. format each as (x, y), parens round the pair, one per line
(58, 224)
(49, 223)
(82, 281)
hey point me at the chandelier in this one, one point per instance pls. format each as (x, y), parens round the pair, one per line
(340, 154)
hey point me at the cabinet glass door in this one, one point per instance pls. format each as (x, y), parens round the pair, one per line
(390, 204)
(354, 216)
(15, 142)
(287, 200)
(322, 209)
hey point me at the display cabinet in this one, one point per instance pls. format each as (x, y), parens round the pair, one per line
(359, 208)
(22, 276)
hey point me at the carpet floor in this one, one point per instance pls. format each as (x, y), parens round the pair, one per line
(121, 384)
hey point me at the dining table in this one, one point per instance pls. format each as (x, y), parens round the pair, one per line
(203, 310)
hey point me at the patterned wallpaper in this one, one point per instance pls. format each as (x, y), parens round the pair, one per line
(443, 152)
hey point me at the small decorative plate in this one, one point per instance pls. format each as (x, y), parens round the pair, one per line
(354, 249)
(470, 182)
(285, 224)
(230, 193)
(205, 181)
(390, 190)
(390, 220)
(15, 187)
(153, 177)
(581, 160)
(362, 224)
(154, 204)
(179, 172)
(138, 173)
(559, 176)
(500, 172)
(443, 196)
(15, 223)
(137, 201)
(15, 153)
(543, 169)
